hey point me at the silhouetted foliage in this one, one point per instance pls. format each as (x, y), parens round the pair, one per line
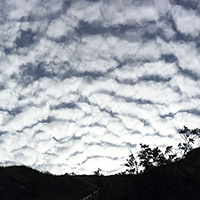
(178, 180)
(149, 158)
(132, 164)
(189, 136)
(98, 172)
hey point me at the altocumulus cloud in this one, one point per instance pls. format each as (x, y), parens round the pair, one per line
(82, 81)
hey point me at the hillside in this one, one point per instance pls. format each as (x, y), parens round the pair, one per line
(22, 183)
(180, 180)
(177, 181)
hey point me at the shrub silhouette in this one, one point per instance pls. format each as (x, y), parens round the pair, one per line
(98, 172)
(189, 136)
(149, 158)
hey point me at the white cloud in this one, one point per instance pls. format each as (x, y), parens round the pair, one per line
(187, 54)
(60, 27)
(8, 98)
(4, 117)
(8, 34)
(86, 11)
(75, 100)
(162, 6)
(156, 92)
(167, 29)
(186, 118)
(188, 87)
(187, 21)
(119, 13)
(185, 104)
(18, 9)
(136, 71)
(20, 121)
(24, 157)
(111, 13)
(23, 8)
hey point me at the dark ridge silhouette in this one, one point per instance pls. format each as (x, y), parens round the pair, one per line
(163, 176)
(175, 181)
(23, 183)
(178, 180)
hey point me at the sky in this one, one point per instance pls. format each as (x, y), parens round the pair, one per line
(84, 81)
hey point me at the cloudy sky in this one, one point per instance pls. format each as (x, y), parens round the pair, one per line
(82, 81)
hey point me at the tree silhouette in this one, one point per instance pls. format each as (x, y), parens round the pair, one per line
(132, 165)
(189, 136)
(149, 158)
(98, 172)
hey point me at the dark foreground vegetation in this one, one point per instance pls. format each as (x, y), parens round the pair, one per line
(152, 174)
(23, 183)
(175, 181)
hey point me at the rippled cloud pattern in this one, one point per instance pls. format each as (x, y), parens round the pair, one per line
(83, 81)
